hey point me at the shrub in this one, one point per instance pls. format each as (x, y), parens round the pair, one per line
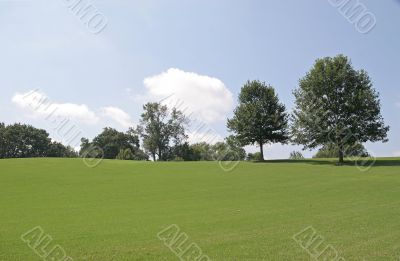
(254, 157)
(296, 155)
(125, 154)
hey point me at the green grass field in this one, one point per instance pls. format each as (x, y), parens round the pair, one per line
(114, 211)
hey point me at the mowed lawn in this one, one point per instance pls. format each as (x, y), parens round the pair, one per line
(114, 211)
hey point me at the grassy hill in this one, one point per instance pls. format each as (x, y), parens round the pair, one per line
(115, 211)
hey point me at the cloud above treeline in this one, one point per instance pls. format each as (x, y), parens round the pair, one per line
(118, 115)
(37, 104)
(204, 97)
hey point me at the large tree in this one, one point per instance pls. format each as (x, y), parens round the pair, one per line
(259, 118)
(24, 141)
(337, 104)
(161, 129)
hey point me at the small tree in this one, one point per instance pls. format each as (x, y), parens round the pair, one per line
(161, 129)
(254, 157)
(331, 151)
(259, 118)
(228, 151)
(337, 104)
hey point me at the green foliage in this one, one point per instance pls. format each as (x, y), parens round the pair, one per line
(332, 151)
(221, 151)
(337, 104)
(230, 150)
(254, 157)
(125, 154)
(161, 129)
(296, 155)
(58, 150)
(259, 118)
(85, 146)
(202, 151)
(23, 141)
(109, 143)
(3, 141)
(182, 152)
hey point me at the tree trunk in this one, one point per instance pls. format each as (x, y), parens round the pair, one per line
(341, 155)
(262, 151)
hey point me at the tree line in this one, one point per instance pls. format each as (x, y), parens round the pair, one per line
(336, 109)
(25, 141)
(161, 135)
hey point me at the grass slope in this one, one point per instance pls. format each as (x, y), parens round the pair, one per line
(114, 211)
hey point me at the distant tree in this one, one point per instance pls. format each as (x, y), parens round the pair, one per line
(24, 141)
(2, 141)
(202, 151)
(254, 157)
(337, 104)
(332, 151)
(182, 152)
(132, 138)
(111, 142)
(125, 154)
(259, 118)
(221, 151)
(296, 155)
(230, 150)
(139, 154)
(85, 145)
(58, 150)
(161, 129)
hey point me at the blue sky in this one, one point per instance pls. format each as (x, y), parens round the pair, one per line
(200, 52)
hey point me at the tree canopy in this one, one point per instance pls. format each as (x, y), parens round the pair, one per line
(161, 129)
(25, 141)
(337, 104)
(111, 142)
(259, 118)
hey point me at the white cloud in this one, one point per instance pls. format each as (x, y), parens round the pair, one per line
(118, 115)
(39, 105)
(396, 153)
(202, 96)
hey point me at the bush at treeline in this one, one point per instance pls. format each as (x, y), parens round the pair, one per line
(112, 144)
